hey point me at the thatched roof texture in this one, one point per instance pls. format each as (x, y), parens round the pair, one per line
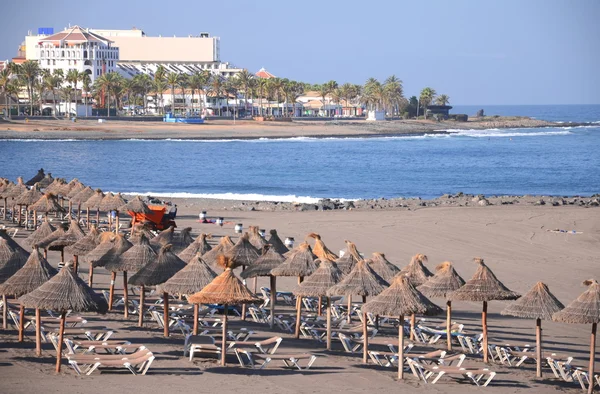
(483, 286)
(362, 281)
(56, 186)
(255, 239)
(48, 203)
(136, 205)
(383, 267)
(277, 243)
(105, 243)
(48, 179)
(119, 246)
(16, 190)
(317, 284)
(401, 299)
(86, 244)
(224, 289)
(416, 271)
(165, 237)
(53, 236)
(349, 259)
(182, 240)
(30, 197)
(74, 188)
(10, 261)
(74, 234)
(199, 246)
(112, 202)
(44, 230)
(64, 190)
(133, 258)
(242, 253)
(94, 201)
(445, 281)
(191, 279)
(65, 291)
(83, 195)
(264, 263)
(299, 262)
(38, 177)
(140, 229)
(585, 309)
(538, 303)
(320, 250)
(160, 270)
(22, 253)
(32, 275)
(211, 257)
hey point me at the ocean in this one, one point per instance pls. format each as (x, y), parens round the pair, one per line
(549, 161)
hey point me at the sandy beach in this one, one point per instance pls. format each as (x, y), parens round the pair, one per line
(514, 240)
(246, 129)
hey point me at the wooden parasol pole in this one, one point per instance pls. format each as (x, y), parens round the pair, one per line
(328, 306)
(87, 217)
(4, 212)
(60, 341)
(4, 312)
(485, 331)
(196, 307)
(401, 348)
(98, 218)
(273, 284)
(224, 334)
(349, 309)
(111, 296)
(34, 220)
(38, 333)
(142, 296)
(91, 275)
(319, 311)
(117, 223)
(166, 314)
(298, 311)
(126, 295)
(244, 305)
(78, 212)
(449, 324)
(412, 327)
(592, 358)
(21, 322)
(365, 339)
(75, 264)
(538, 347)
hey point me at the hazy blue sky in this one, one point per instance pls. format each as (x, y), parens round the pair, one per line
(477, 52)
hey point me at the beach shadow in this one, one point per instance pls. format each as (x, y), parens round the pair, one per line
(38, 360)
(275, 371)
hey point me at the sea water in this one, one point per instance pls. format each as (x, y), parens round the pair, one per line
(548, 161)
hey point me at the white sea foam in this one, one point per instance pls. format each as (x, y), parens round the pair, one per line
(38, 140)
(236, 196)
(496, 133)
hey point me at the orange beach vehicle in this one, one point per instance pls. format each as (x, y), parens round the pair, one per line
(159, 219)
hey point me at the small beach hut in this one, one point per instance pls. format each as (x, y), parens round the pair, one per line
(262, 266)
(317, 285)
(225, 289)
(157, 272)
(94, 203)
(64, 292)
(10, 263)
(300, 262)
(383, 267)
(53, 236)
(445, 281)
(320, 250)
(401, 299)
(55, 185)
(32, 275)
(362, 281)
(199, 246)
(585, 310)
(277, 243)
(539, 303)
(74, 188)
(483, 287)
(191, 279)
(211, 257)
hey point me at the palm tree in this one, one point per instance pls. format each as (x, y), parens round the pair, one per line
(195, 83)
(5, 78)
(244, 79)
(173, 79)
(183, 85)
(216, 88)
(143, 84)
(73, 78)
(128, 87)
(160, 83)
(393, 93)
(30, 70)
(108, 83)
(262, 88)
(292, 90)
(252, 87)
(442, 99)
(13, 89)
(86, 81)
(66, 92)
(373, 94)
(426, 97)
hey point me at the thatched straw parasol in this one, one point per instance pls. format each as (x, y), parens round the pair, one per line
(112, 202)
(537, 304)
(262, 267)
(225, 289)
(22, 253)
(85, 244)
(38, 177)
(28, 198)
(165, 237)
(242, 253)
(401, 299)
(383, 267)
(349, 259)
(585, 310)
(48, 203)
(5, 187)
(75, 186)
(484, 287)
(445, 281)
(81, 197)
(182, 240)
(157, 272)
(277, 243)
(317, 285)
(119, 246)
(140, 229)
(191, 279)
(416, 271)
(362, 281)
(64, 292)
(74, 234)
(40, 233)
(105, 244)
(10, 263)
(300, 262)
(14, 192)
(198, 246)
(32, 275)
(56, 185)
(320, 250)
(132, 260)
(53, 236)
(94, 203)
(255, 238)
(211, 257)
(133, 206)
(48, 179)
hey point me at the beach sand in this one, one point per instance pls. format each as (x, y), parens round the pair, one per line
(513, 240)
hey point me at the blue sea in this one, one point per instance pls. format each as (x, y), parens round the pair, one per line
(550, 161)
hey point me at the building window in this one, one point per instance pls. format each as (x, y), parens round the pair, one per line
(85, 54)
(63, 53)
(74, 62)
(48, 62)
(54, 62)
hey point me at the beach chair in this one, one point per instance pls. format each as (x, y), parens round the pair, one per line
(432, 373)
(563, 369)
(85, 347)
(289, 360)
(200, 344)
(137, 363)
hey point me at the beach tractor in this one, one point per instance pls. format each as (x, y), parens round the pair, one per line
(160, 218)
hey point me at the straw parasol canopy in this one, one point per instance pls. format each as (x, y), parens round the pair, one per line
(584, 310)
(160, 270)
(242, 253)
(10, 260)
(320, 250)
(22, 253)
(165, 237)
(133, 258)
(74, 188)
(32, 275)
(539, 303)
(64, 292)
(74, 234)
(94, 201)
(119, 245)
(86, 244)
(182, 240)
(445, 281)
(300, 262)
(65, 189)
(198, 246)
(140, 229)
(255, 239)
(38, 177)
(225, 289)
(48, 179)
(16, 190)
(5, 185)
(48, 203)
(383, 267)
(191, 279)
(211, 257)
(53, 236)
(349, 259)
(277, 243)
(483, 287)
(401, 299)
(40, 233)
(104, 245)
(136, 205)
(83, 195)
(264, 264)
(30, 197)
(362, 281)
(112, 202)
(416, 271)
(56, 185)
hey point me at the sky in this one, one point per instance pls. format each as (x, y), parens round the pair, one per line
(477, 52)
